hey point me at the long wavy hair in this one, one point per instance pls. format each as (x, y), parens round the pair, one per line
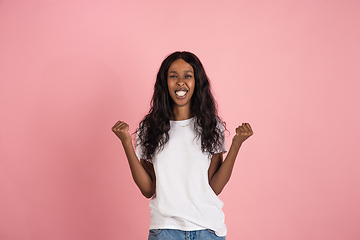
(152, 133)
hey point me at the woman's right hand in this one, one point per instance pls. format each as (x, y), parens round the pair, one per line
(121, 129)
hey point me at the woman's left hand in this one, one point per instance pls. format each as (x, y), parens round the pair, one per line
(243, 132)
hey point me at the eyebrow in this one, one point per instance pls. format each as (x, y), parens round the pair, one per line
(184, 71)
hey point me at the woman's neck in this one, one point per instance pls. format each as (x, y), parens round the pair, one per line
(181, 113)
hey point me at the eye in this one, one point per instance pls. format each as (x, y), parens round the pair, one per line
(188, 76)
(172, 76)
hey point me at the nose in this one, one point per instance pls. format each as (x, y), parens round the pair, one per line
(180, 82)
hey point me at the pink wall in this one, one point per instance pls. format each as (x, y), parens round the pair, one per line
(70, 69)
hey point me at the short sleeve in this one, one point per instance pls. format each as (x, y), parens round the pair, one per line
(138, 149)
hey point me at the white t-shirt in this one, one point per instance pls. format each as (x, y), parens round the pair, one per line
(184, 199)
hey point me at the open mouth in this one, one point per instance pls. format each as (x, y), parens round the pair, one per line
(181, 93)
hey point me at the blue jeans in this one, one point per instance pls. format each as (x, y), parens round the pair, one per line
(174, 234)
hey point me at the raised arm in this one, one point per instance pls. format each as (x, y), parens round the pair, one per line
(219, 171)
(142, 171)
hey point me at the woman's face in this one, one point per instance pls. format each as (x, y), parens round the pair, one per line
(181, 82)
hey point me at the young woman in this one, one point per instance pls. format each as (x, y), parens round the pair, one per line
(179, 154)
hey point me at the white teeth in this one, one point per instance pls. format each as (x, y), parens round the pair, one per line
(180, 93)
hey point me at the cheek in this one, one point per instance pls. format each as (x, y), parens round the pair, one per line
(192, 85)
(168, 85)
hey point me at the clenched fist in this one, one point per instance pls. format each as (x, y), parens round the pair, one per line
(243, 132)
(121, 129)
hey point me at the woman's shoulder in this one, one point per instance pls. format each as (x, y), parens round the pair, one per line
(220, 124)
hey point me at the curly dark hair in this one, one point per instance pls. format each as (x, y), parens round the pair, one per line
(153, 129)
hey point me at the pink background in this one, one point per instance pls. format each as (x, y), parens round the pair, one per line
(70, 69)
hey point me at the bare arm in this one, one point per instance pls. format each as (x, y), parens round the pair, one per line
(142, 171)
(219, 171)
